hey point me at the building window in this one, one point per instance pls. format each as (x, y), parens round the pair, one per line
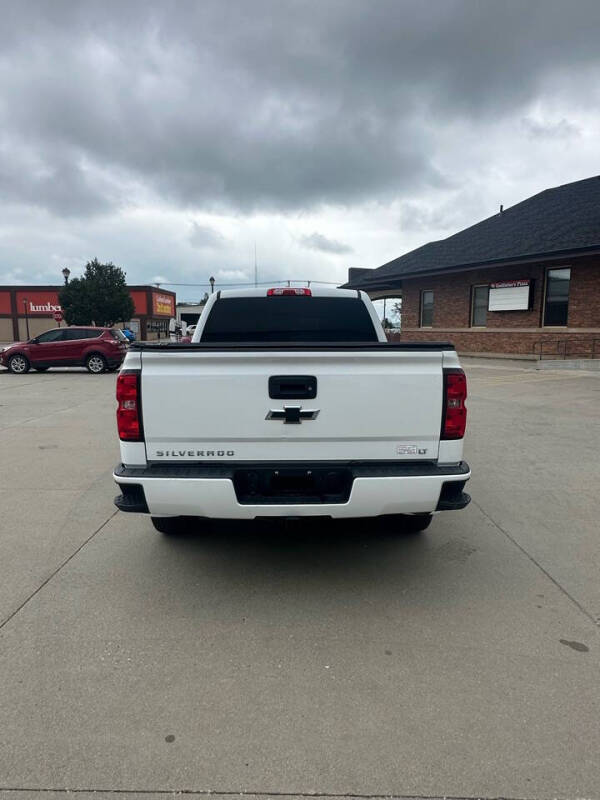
(479, 306)
(556, 306)
(426, 308)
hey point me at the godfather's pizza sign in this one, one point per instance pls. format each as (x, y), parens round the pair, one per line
(509, 295)
(163, 304)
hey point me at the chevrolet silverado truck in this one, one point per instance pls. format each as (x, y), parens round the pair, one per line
(290, 402)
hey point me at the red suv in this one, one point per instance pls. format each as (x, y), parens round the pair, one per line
(98, 349)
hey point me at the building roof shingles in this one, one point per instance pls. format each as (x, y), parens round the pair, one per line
(566, 218)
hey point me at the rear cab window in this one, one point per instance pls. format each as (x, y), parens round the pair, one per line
(289, 319)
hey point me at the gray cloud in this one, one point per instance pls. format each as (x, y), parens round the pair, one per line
(561, 129)
(55, 180)
(203, 236)
(137, 131)
(316, 241)
(269, 105)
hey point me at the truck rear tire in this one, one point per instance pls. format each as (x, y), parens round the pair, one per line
(408, 523)
(415, 523)
(169, 526)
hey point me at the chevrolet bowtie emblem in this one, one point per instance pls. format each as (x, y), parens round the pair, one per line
(292, 415)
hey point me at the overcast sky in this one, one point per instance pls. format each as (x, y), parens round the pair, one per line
(170, 137)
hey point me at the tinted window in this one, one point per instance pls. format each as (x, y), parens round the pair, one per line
(51, 336)
(82, 333)
(289, 319)
(426, 308)
(118, 334)
(480, 306)
(557, 296)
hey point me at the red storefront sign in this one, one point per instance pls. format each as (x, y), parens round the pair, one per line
(37, 304)
(5, 307)
(140, 302)
(45, 303)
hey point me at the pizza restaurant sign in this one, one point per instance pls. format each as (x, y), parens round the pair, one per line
(163, 304)
(510, 295)
(510, 284)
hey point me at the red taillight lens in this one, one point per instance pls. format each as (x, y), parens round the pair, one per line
(455, 412)
(129, 423)
(279, 292)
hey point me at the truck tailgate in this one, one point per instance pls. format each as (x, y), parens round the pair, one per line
(214, 405)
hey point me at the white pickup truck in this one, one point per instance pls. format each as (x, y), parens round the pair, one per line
(291, 403)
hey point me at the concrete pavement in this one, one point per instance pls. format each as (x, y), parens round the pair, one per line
(329, 659)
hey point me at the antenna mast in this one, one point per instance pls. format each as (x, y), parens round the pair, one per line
(255, 267)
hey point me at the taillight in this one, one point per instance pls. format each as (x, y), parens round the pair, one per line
(294, 292)
(455, 411)
(129, 422)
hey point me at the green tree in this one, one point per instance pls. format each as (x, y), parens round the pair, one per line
(75, 303)
(100, 297)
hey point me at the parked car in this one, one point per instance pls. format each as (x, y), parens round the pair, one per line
(129, 334)
(291, 403)
(98, 349)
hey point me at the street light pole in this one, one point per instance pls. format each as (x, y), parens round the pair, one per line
(25, 301)
(66, 272)
(211, 280)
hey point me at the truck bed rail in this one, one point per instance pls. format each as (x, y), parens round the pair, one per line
(290, 346)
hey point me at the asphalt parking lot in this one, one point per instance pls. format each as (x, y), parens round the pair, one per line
(336, 660)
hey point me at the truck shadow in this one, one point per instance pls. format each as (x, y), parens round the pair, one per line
(320, 548)
(232, 569)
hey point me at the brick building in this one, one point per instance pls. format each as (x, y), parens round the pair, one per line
(27, 311)
(525, 281)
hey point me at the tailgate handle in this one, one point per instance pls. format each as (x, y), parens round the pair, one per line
(296, 387)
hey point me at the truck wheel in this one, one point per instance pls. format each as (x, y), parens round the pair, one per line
(95, 363)
(18, 364)
(169, 526)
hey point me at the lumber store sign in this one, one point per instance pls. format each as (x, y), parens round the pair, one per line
(38, 303)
